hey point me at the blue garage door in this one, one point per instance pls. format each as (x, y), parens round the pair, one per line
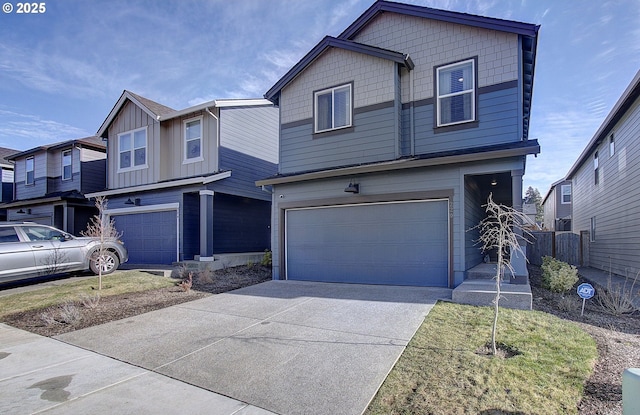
(150, 238)
(395, 243)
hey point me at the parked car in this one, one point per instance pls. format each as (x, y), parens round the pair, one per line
(30, 250)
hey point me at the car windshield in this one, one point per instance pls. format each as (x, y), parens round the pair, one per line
(41, 233)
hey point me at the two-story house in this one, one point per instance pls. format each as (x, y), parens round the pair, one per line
(606, 188)
(50, 183)
(180, 183)
(392, 136)
(6, 179)
(557, 206)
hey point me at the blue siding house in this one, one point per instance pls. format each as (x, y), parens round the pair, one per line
(392, 136)
(50, 183)
(181, 183)
(6, 179)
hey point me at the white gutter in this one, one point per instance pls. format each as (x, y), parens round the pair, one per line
(218, 103)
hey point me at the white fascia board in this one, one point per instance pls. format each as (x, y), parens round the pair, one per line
(116, 109)
(156, 186)
(218, 103)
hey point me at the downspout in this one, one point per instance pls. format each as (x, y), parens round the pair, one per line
(217, 136)
(412, 114)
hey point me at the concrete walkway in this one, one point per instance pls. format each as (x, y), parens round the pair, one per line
(281, 346)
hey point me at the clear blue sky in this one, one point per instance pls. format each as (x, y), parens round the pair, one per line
(62, 71)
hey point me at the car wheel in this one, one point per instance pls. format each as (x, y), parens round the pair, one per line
(109, 262)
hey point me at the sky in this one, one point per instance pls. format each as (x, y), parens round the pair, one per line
(63, 70)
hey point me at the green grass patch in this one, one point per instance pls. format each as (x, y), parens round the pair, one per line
(441, 373)
(120, 282)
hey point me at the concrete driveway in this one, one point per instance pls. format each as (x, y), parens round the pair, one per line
(283, 346)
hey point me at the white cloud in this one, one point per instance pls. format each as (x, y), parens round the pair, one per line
(32, 131)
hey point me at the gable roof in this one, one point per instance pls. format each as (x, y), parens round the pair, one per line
(332, 42)
(626, 100)
(5, 153)
(162, 113)
(87, 142)
(527, 31)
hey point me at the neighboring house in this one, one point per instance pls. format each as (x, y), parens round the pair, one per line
(180, 184)
(51, 181)
(606, 188)
(557, 206)
(6, 179)
(530, 211)
(392, 137)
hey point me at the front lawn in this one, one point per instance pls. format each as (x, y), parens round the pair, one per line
(444, 371)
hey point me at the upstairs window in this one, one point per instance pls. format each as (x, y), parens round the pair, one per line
(333, 108)
(66, 165)
(565, 189)
(595, 168)
(456, 91)
(193, 140)
(132, 149)
(29, 171)
(612, 146)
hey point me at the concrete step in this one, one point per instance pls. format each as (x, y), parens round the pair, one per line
(483, 292)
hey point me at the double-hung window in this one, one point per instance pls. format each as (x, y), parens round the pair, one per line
(612, 146)
(595, 168)
(566, 193)
(132, 149)
(193, 140)
(456, 92)
(29, 171)
(66, 165)
(333, 108)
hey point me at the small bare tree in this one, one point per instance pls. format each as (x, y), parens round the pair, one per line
(501, 230)
(101, 227)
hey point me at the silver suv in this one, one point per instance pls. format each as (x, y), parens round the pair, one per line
(30, 250)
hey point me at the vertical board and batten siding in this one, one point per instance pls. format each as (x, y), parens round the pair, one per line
(371, 140)
(432, 43)
(172, 157)
(130, 118)
(615, 201)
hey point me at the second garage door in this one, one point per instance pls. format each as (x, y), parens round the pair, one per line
(396, 243)
(150, 237)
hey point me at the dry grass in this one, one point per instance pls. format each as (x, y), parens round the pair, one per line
(442, 372)
(117, 283)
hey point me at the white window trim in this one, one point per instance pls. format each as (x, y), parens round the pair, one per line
(26, 172)
(146, 146)
(315, 108)
(184, 140)
(70, 151)
(562, 194)
(473, 91)
(612, 145)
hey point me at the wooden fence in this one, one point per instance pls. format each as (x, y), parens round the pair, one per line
(564, 246)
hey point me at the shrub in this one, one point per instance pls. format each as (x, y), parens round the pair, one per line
(618, 299)
(558, 276)
(266, 258)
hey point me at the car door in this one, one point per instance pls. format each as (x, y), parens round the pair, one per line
(16, 257)
(53, 250)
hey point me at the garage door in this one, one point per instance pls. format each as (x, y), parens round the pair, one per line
(396, 243)
(150, 238)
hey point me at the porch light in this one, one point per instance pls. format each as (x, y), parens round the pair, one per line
(134, 202)
(494, 182)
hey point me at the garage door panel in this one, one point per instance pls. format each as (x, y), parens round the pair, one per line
(400, 243)
(150, 237)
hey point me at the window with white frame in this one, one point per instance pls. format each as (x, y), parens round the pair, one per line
(333, 108)
(66, 165)
(456, 92)
(132, 149)
(612, 146)
(565, 189)
(193, 140)
(29, 171)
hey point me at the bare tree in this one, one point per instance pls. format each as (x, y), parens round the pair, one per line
(501, 230)
(104, 228)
